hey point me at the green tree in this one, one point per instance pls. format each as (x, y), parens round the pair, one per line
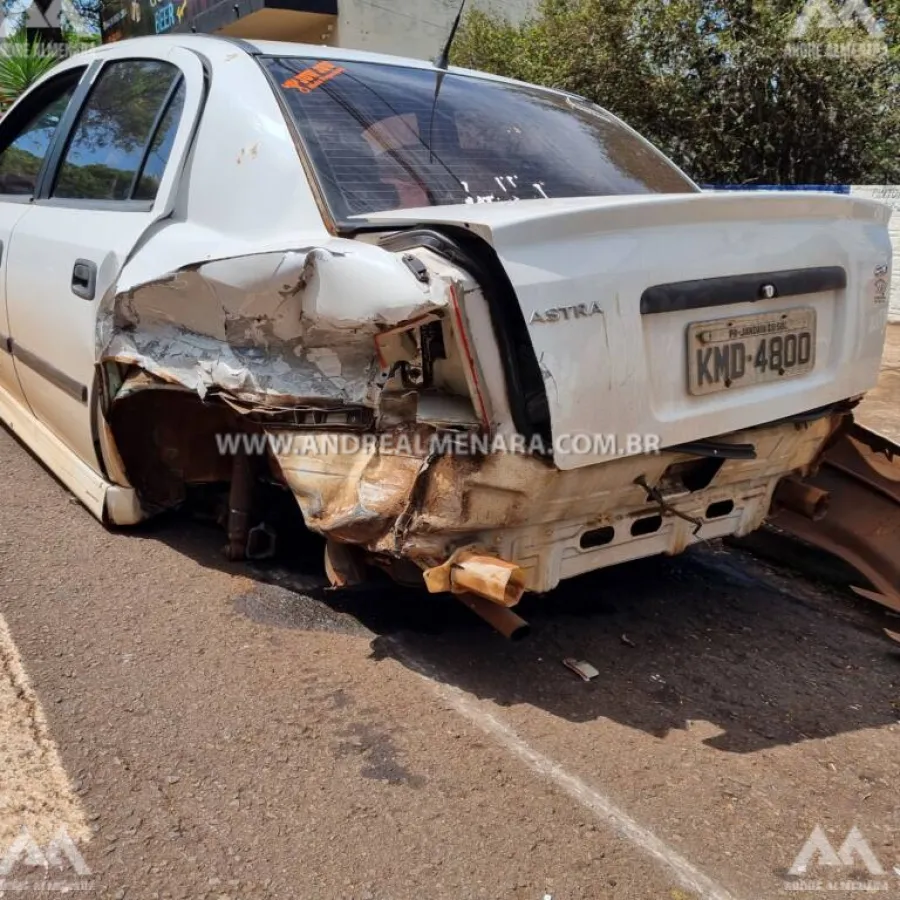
(725, 87)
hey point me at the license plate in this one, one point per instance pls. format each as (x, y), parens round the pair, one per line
(730, 353)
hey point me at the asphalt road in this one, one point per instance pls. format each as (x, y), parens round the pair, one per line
(203, 730)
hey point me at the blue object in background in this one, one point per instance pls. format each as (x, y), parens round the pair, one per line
(831, 188)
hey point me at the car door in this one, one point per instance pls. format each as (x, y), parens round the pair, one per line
(111, 176)
(26, 134)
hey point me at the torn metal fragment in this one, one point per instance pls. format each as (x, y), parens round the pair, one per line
(584, 670)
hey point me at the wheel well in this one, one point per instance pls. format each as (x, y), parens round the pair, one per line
(169, 439)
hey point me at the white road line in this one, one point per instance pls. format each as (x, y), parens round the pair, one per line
(36, 793)
(687, 874)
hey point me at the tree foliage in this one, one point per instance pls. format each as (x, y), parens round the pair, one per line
(727, 88)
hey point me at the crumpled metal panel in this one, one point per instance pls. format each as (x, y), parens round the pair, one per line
(270, 328)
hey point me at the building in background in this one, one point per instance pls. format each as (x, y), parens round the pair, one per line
(415, 28)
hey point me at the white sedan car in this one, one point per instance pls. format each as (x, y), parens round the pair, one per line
(484, 333)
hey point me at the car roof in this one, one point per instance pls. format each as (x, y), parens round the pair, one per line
(347, 54)
(204, 43)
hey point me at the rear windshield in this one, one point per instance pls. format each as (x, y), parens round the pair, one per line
(379, 141)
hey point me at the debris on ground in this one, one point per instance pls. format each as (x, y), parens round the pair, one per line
(581, 668)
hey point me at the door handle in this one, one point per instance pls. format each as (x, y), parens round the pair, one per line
(84, 279)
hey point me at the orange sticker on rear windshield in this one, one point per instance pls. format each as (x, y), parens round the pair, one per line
(313, 77)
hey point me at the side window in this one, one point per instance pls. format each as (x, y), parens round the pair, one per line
(118, 125)
(27, 132)
(160, 148)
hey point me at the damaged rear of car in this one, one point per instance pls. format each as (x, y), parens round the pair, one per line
(515, 345)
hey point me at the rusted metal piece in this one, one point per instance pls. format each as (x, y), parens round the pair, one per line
(802, 498)
(344, 565)
(869, 457)
(504, 620)
(471, 571)
(239, 500)
(494, 579)
(860, 471)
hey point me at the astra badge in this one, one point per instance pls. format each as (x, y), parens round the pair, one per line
(556, 313)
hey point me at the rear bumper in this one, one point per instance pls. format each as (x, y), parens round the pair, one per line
(553, 524)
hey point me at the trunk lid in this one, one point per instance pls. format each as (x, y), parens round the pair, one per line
(687, 316)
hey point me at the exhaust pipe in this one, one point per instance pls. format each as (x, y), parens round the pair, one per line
(503, 619)
(808, 501)
(240, 500)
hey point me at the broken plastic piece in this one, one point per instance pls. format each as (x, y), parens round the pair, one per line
(583, 669)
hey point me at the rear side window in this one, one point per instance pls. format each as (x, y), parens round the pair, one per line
(119, 146)
(28, 131)
(385, 137)
(160, 148)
